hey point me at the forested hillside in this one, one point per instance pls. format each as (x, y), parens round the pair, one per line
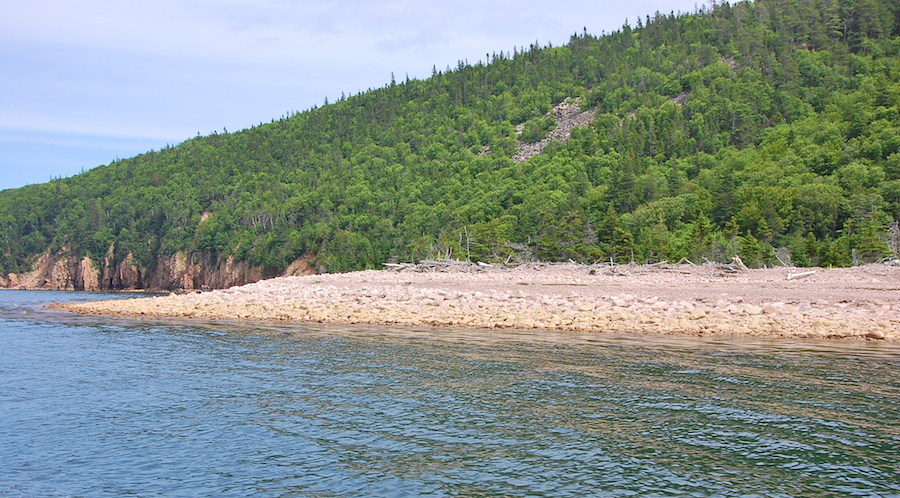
(740, 128)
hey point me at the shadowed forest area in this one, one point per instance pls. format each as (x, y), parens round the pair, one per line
(754, 128)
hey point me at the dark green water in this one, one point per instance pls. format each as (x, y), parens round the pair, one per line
(97, 407)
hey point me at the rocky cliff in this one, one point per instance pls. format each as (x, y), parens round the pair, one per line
(62, 271)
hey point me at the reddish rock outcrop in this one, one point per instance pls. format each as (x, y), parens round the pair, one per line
(61, 271)
(86, 277)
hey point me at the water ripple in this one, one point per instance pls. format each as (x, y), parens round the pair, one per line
(112, 407)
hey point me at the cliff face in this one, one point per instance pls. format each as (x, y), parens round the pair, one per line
(50, 271)
(198, 272)
(60, 271)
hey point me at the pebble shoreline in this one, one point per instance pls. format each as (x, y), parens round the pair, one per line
(850, 303)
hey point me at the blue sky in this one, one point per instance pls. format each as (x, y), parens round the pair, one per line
(84, 83)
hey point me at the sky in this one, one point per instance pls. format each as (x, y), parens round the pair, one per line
(84, 82)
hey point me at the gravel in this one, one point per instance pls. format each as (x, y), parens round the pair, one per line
(861, 303)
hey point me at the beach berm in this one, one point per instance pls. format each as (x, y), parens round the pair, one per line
(860, 303)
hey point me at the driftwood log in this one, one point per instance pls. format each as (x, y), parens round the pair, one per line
(606, 268)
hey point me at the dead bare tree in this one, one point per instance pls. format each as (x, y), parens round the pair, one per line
(894, 238)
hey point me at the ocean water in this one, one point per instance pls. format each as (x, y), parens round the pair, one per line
(106, 407)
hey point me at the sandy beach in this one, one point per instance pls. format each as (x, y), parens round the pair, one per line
(861, 303)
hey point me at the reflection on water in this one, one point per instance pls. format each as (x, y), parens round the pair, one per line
(97, 407)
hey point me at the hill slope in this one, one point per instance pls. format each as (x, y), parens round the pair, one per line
(742, 128)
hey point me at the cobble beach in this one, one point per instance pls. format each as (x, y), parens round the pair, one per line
(861, 303)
